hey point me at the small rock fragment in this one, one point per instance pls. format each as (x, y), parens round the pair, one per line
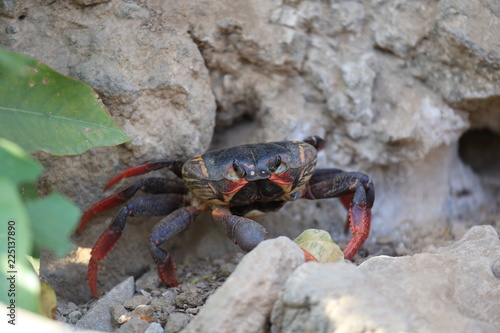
(154, 328)
(189, 299)
(176, 322)
(148, 281)
(143, 312)
(99, 315)
(118, 312)
(135, 301)
(134, 325)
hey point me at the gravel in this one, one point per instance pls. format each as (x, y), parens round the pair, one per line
(155, 308)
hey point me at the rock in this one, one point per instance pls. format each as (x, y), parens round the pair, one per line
(118, 313)
(154, 328)
(99, 315)
(176, 322)
(135, 325)
(392, 85)
(244, 301)
(427, 292)
(90, 2)
(136, 301)
(148, 281)
(143, 312)
(31, 322)
(189, 299)
(13, 8)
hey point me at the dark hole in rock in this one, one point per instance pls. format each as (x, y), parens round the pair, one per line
(480, 149)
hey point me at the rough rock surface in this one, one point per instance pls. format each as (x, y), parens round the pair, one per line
(244, 301)
(404, 91)
(454, 289)
(99, 316)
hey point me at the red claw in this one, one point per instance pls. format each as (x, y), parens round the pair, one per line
(92, 276)
(359, 218)
(166, 272)
(101, 248)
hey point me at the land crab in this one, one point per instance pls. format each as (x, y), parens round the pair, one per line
(235, 183)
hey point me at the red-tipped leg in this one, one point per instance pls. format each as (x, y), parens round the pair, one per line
(346, 202)
(359, 218)
(356, 192)
(101, 206)
(165, 229)
(167, 273)
(101, 248)
(174, 166)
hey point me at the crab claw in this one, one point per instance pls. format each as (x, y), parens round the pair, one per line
(101, 248)
(359, 219)
(167, 273)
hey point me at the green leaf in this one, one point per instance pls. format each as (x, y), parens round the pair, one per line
(22, 285)
(42, 109)
(16, 165)
(54, 219)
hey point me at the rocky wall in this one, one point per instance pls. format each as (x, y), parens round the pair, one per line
(404, 91)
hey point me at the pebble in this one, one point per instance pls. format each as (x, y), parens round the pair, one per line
(135, 301)
(176, 321)
(148, 281)
(99, 315)
(134, 325)
(189, 299)
(154, 328)
(118, 312)
(74, 316)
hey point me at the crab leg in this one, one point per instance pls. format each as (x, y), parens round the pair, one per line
(167, 228)
(174, 166)
(148, 185)
(357, 193)
(158, 205)
(241, 230)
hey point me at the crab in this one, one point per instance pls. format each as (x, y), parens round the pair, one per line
(236, 184)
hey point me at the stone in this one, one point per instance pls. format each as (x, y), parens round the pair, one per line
(32, 322)
(176, 322)
(134, 325)
(13, 8)
(154, 328)
(148, 281)
(99, 315)
(90, 2)
(143, 312)
(118, 312)
(393, 86)
(426, 292)
(136, 301)
(189, 299)
(243, 303)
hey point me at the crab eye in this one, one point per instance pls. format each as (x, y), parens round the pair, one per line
(237, 172)
(274, 165)
(277, 166)
(282, 168)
